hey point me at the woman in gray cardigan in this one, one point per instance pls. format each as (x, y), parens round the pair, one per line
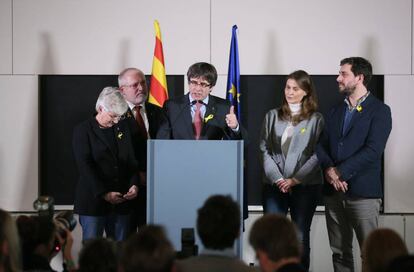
(292, 177)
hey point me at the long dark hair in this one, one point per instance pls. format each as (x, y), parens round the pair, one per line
(309, 102)
(8, 234)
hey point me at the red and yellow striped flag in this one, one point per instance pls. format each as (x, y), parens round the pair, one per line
(158, 88)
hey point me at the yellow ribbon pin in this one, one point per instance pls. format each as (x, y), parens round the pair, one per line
(120, 134)
(206, 119)
(359, 108)
(303, 130)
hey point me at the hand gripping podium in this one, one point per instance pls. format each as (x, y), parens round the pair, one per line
(182, 174)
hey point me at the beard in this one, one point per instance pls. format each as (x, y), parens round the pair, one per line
(347, 89)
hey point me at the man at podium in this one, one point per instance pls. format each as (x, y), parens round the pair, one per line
(199, 115)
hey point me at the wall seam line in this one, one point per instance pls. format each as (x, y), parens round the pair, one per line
(12, 37)
(211, 24)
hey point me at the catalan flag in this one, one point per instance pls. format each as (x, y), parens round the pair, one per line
(233, 77)
(158, 86)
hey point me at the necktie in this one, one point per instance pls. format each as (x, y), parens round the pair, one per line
(141, 125)
(197, 122)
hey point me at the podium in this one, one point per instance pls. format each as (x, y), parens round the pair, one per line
(182, 174)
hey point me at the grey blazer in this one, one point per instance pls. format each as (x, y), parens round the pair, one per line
(301, 161)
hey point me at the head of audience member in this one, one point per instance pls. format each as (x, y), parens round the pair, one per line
(355, 73)
(299, 89)
(403, 263)
(110, 107)
(275, 241)
(149, 250)
(9, 243)
(37, 238)
(98, 255)
(218, 222)
(380, 248)
(133, 86)
(202, 77)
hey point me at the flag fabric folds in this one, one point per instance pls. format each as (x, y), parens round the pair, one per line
(233, 77)
(158, 86)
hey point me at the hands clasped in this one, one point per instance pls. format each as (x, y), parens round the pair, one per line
(285, 185)
(332, 176)
(117, 197)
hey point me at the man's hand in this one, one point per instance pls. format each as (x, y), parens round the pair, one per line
(340, 186)
(132, 193)
(231, 119)
(114, 197)
(332, 176)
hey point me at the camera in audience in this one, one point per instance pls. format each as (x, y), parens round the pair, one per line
(64, 220)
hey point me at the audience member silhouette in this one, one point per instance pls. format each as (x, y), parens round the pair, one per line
(40, 242)
(275, 240)
(148, 251)
(402, 264)
(218, 225)
(98, 255)
(380, 248)
(9, 244)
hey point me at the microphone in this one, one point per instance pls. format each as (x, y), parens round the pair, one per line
(172, 122)
(211, 108)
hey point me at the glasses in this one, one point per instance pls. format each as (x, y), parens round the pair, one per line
(136, 85)
(201, 84)
(118, 117)
(113, 116)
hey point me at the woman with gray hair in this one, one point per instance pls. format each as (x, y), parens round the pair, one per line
(107, 169)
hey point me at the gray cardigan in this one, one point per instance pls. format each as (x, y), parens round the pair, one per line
(301, 161)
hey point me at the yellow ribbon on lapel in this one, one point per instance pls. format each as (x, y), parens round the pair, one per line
(209, 117)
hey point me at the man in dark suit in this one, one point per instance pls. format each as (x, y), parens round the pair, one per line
(142, 118)
(350, 152)
(199, 115)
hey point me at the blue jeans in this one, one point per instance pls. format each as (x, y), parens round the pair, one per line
(115, 226)
(302, 202)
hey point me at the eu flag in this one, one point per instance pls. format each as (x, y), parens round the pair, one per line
(233, 77)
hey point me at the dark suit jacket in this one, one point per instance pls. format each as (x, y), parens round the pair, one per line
(154, 114)
(357, 153)
(177, 120)
(102, 169)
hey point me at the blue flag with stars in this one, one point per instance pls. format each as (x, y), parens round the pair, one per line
(233, 77)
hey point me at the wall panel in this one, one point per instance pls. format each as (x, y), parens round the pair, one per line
(103, 37)
(409, 234)
(18, 142)
(5, 36)
(399, 153)
(277, 37)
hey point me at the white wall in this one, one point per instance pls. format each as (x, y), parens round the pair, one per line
(5, 37)
(275, 37)
(18, 142)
